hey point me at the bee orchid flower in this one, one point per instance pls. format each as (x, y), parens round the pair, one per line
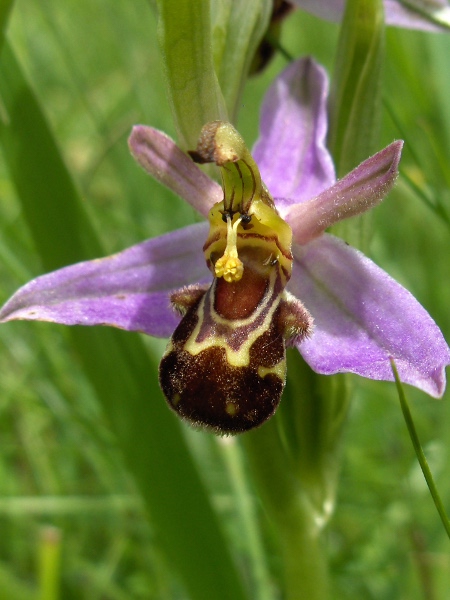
(262, 275)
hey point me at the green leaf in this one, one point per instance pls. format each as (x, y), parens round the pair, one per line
(184, 32)
(355, 103)
(238, 28)
(59, 224)
(296, 526)
(115, 362)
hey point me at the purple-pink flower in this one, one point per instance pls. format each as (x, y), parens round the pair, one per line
(412, 14)
(362, 317)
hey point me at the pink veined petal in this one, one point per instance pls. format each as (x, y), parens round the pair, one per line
(396, 14)
(128, 290)
(158, 154)
(290, 152)
(363, 317)
(360, 190)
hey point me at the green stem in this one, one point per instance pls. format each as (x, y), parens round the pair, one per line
(419, 451)
(272, 469)
(304, 559)
(287, 506)
(234, 464)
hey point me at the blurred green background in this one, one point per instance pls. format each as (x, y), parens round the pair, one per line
(69, 509)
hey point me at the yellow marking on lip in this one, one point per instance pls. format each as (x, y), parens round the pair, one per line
(231, 408)
(176, 399)
(279, 370)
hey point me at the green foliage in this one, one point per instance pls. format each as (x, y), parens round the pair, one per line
(149, 437)
(356, 92)
(90, 453)
(185, 40)
(355, 99)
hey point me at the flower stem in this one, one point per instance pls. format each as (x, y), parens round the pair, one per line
(231, 452)
(292, 514)
(305, 560)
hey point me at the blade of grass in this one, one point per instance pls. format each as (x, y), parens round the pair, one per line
(431, 200)
(419, 451)
(115, 362)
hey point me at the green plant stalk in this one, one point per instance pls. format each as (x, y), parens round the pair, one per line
(294, 459)
(304, 559)
(289, 511)
(234, 463)
(313, 414)
(419, 451)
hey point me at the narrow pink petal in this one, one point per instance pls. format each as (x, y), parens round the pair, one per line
(362, 189)
(158, 154)
(363, 317)
(291, 152)
(129, 290)
(396, 14)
